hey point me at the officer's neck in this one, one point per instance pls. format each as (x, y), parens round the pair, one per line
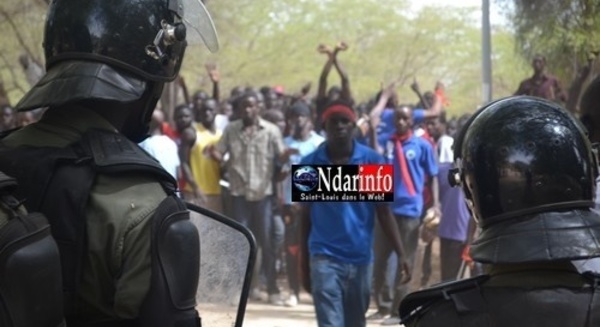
(116, 114)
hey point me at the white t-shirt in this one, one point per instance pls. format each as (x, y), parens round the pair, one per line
(221, 122)
(445, 152)
(164, 150)
(304, 148)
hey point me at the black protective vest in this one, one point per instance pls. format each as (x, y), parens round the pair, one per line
(30, 276)
(58, 181)
(510, 300)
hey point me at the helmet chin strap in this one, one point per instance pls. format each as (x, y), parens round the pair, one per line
(137, 130)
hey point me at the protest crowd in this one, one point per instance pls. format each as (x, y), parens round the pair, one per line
(232, 151)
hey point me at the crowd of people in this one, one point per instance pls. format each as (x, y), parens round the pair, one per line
(235, 153)
(96, 231)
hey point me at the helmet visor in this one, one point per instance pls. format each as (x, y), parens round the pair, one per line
(200, 26)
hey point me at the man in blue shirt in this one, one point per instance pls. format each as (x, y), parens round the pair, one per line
(337, 237)
(382, 116)
(414, 159)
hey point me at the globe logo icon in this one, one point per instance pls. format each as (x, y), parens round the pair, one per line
(305, 178)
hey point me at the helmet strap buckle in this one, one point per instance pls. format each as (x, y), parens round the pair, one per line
(454, 178)
(165, 37)
(455, 174)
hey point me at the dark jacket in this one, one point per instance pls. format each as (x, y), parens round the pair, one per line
(546, 294)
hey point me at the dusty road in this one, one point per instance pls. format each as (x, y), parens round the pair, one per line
(260, 314)
(303, 315)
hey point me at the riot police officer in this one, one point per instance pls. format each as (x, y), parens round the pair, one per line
(129, 253)
(528, 174)
(30, 275)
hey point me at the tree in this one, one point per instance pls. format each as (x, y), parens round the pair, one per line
(22, 25)
(273, 42)
(565, 32)
(270, 42)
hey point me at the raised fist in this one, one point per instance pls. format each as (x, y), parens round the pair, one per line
(342, 46)
(322, 48)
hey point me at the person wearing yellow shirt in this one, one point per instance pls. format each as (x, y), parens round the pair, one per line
(205, 169)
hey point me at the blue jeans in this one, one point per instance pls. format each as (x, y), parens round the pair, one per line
(257, 216)
(341, 291)
(409, 232)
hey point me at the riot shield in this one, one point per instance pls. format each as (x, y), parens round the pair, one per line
(227, 257)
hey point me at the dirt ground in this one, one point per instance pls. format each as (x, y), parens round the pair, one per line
(260, 314)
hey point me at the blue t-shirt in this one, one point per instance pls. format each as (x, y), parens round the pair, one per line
(362, 139)
(418, 116)
(343, 230)
(387, 126)
(421, 163)
(455, 215)
(304, 148)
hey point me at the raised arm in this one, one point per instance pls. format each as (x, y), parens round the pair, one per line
(346, 91)
(577, 84)
(415, 87)
(305, 90)
(215, 77)
(322, 88)
(436, 109)
(375, 115)
(386, 94)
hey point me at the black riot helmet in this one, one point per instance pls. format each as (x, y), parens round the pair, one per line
(113, 49)
(144, 37)
(528, 173)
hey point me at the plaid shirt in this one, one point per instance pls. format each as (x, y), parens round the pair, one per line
(547, 87)
(251, 158)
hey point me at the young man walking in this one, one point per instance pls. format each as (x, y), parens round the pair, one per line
(336, 237)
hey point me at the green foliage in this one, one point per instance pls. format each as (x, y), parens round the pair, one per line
(566, 32)
(273, 42)
(22, 24)
(270, 42)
